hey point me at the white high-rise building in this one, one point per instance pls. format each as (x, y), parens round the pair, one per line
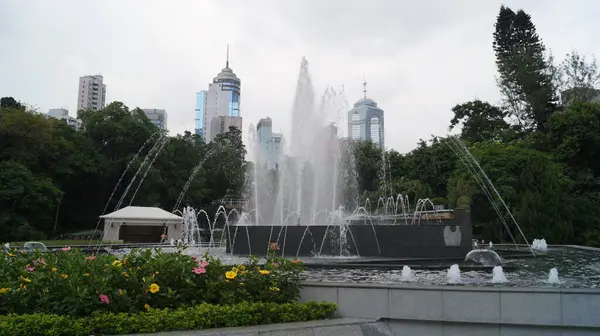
(218, 108)
(92, 93)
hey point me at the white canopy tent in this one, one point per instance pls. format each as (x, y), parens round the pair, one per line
(141, 224)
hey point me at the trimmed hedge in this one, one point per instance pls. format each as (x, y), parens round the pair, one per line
(203, 316)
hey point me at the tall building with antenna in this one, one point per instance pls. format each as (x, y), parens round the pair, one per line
(366, 121)
(218, 108)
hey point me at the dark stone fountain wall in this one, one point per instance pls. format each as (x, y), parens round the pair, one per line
(449, 238)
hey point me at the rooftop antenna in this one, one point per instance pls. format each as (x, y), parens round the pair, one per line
(365, 86)
(227, 62)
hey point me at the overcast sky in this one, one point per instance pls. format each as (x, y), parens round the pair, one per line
(420, 57)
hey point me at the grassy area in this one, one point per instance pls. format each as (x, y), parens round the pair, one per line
(61, 243)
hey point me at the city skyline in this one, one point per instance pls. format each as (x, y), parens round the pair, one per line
(417, 69)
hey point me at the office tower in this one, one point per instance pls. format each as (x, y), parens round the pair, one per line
(270, 144)
(366, 121)
(158, 117)
(200, 107)
(63, 114)
(92, 93)
(219, 105)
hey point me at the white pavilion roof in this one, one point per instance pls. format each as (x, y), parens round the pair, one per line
(138, 212)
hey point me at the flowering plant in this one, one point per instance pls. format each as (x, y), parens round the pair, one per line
(69, 282)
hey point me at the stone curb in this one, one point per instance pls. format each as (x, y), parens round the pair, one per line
(333, 327)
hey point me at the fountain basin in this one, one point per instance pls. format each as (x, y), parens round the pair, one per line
(445, 238)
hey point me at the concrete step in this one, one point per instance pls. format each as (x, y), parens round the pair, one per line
(333, 327)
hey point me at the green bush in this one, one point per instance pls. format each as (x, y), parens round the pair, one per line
(203, 316)
(69, 282)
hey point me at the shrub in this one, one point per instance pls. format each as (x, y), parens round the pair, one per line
(202, 316)
(69, 282)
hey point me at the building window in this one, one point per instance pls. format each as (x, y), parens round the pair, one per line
(355, 126)
(374, 127)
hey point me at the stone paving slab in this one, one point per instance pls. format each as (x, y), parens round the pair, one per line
(333, 327)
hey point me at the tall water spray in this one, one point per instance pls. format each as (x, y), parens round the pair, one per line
(308, 182)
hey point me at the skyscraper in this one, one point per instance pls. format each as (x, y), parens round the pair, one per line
(158, 117)
(92, 93)
(269, 144)
(219, 107)
(366, 121)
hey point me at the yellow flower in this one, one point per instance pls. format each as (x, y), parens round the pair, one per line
(11, 255)
(154, 288)
(241, 267)
(26, 280)
(54, 269)
(116, 263)
(125, 274)
(230, 275)
(4, 290)
(146, 306)
(264, 272)
(64, 276)
(234, 269)
(86, 274)
(274, 289)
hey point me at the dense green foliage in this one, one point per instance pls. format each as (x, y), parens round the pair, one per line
(539, 152)
(203, 316)
(54, 179)
(69, 282)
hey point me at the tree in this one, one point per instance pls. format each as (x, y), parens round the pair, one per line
(533, 186)
(27, 202)
(480, 120)
(578, 78)
(526, 76)
(54, 179)
(10, 102)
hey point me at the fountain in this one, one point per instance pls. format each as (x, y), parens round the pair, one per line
(483, 257)
(553, 277)
(453, 275)
(407, 274)
(539, 244)
(498, 275)
(308, 203)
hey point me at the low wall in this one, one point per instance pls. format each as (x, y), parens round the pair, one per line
(450, 238)
(461, 310)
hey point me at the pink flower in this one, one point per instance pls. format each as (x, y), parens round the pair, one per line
(65, 248)
(90, 257)
(104, 298)
(30, 269)
(202, 264)
(39, 262)
(120, 291)
(193, 257)
(275, 265)
(199, 270)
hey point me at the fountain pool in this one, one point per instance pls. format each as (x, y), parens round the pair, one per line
(578, 268)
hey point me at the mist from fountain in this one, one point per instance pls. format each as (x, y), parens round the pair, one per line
(453, 275)
(539, 244)
(407, 274)
(553, 277)
(498, 275)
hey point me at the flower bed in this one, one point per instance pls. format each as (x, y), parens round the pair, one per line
(202, 316)
(69, 282)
